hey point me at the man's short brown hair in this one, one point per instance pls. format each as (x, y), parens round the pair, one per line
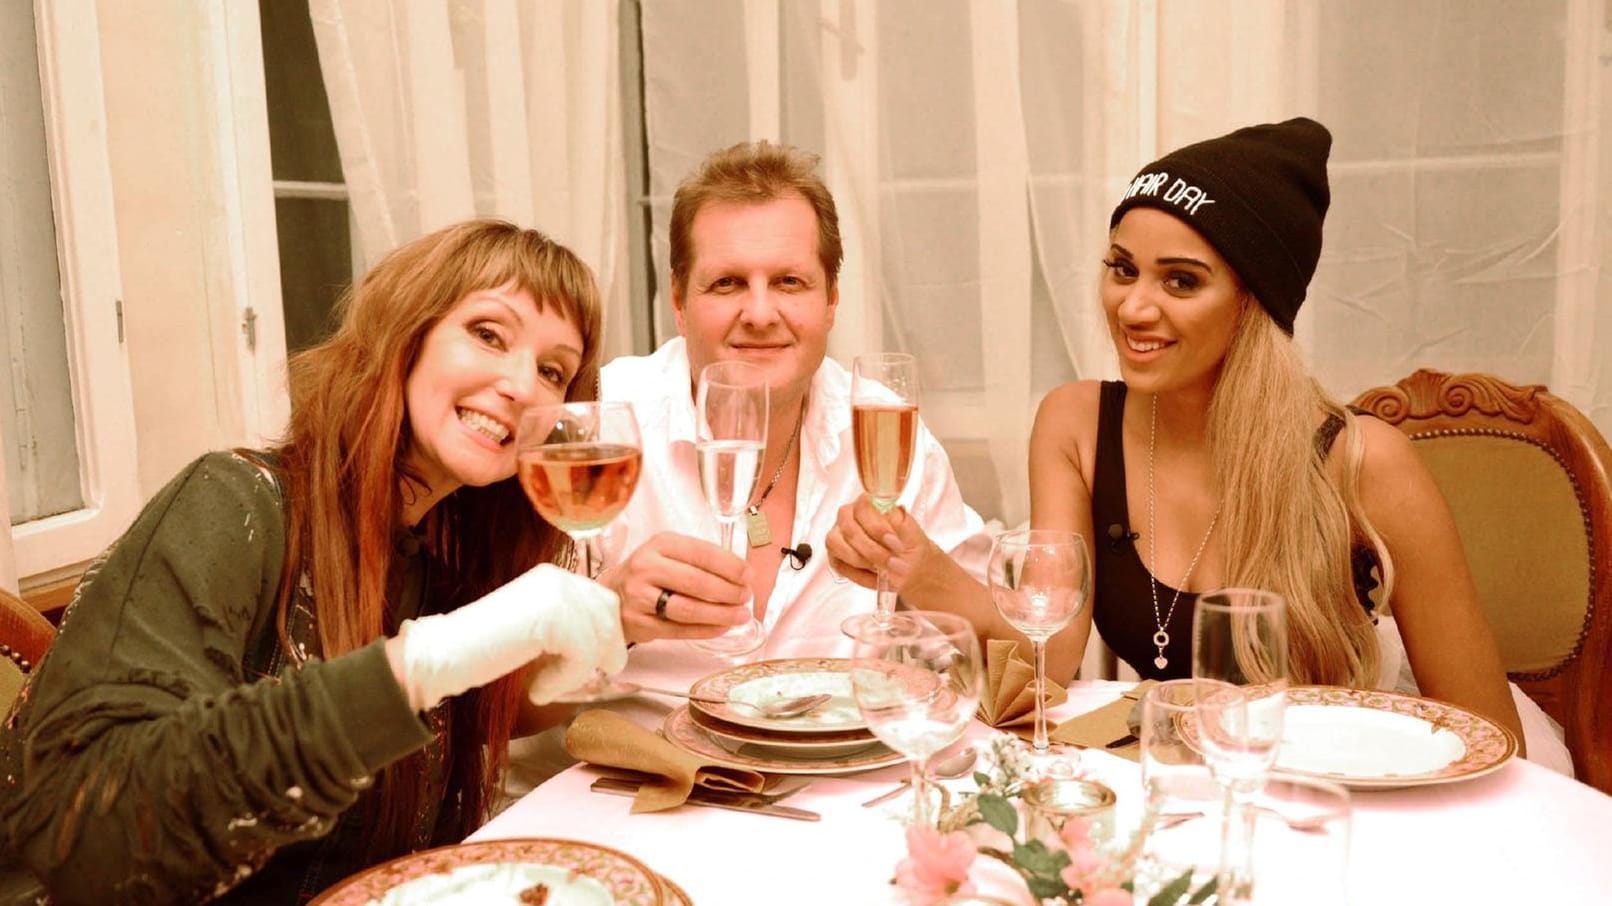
(754, 173)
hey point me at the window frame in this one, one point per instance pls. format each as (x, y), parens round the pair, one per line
(86, 235)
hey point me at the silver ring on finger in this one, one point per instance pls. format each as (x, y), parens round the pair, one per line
(661, 602)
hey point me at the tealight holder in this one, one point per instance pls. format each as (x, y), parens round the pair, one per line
(1050, 804)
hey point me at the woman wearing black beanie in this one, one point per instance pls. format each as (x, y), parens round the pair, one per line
(1219, 461)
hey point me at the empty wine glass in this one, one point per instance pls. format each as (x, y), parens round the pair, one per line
(1040, 579)
(579, 463)
(917, 678)
(1239, 670)
(884, 435)
(731, 439)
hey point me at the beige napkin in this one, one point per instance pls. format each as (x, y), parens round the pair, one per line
(1009, 699)
(1097, 728)
(606, 738)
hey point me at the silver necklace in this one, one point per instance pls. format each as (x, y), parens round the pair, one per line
(755, 523)
(1161, 637)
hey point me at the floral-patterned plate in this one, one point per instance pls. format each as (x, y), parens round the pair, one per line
(499, 871)
(681, 729)
(789, 745)
(1370, 740)
(776, 680)
(786, 678)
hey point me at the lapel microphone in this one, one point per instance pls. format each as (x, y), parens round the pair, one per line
(1118, 536)
(798, 556)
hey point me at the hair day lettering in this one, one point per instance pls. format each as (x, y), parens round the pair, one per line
(1184, 195)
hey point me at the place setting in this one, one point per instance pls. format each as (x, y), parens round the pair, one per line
(538, 871)
(731, 719)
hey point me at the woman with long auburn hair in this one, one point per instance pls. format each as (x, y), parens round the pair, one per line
(1220, 462)
(303, 660)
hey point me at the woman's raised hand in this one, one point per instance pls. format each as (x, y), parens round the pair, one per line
(570, 626)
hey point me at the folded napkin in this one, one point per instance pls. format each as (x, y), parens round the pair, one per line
(606, 738)
(1097, 728)
(1009, 699)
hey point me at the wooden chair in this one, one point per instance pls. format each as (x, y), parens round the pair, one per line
(25, 636)
(1526, 477)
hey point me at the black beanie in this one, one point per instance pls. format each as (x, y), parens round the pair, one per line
(1258, 195)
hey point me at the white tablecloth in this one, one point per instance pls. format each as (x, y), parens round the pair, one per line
(1523, 834)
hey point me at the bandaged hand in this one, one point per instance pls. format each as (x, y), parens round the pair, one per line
(570, 625)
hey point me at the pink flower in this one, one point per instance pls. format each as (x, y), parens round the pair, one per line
(1076, 833)
(1084, 862)
(936, 866)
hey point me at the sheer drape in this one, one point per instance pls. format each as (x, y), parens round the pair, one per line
(451, 109)
(976, 148)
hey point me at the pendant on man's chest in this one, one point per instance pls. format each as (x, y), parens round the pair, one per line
(755, 525)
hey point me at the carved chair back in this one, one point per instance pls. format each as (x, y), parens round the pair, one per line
(1526, 478)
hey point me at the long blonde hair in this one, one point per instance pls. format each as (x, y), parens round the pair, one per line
(1287, 526)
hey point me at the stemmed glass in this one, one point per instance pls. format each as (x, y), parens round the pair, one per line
(917, 678)
(579, 463)
(884, 433)
(731, 410)
(1240, 674)
(1040, 580)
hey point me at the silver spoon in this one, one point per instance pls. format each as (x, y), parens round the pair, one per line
(781, 709)
(949, 768)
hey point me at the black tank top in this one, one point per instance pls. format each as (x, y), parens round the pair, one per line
(1123, 609)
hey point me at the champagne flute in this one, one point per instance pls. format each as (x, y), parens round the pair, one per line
(579, 463)
(731, 410)
(916, 678)
(1240, 674)
(884, 433)
(1040, 580)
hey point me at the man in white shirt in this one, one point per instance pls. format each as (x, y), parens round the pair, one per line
(755, 257)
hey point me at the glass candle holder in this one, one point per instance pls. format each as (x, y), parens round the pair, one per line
(1050, 804)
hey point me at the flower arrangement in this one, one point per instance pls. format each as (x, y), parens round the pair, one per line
(1069, 866)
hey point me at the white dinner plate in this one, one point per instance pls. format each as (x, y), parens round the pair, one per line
(1373, 740)
(681, 729)
(1382, 740)
(496, 871)
(776, 680)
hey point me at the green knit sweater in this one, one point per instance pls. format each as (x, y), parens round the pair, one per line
(145, 763)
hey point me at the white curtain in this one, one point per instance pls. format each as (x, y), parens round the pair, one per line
(976, 148)
(450, 109)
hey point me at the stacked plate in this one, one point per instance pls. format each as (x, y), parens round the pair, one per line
(520, 871)
(831, 739)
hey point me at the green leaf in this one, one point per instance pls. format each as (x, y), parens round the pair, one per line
(981, 779)
(999, 813)
(1047, 888)
(1035, 858)
(1204, 892)
(1171, 893)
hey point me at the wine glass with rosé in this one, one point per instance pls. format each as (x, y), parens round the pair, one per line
(884, 436)
(579, 463)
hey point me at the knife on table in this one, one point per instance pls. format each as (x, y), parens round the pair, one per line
(738, 802)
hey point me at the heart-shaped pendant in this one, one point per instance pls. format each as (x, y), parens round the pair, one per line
(1161, 662)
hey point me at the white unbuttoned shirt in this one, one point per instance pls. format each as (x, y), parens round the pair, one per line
(807, 605)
